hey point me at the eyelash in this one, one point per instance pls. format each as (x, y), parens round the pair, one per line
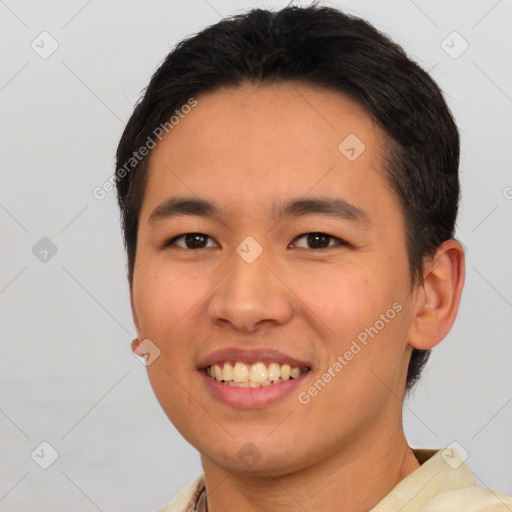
(340, 241)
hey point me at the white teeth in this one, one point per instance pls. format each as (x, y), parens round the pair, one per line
(258, 373)
(227, 372)
(240, 372)
(294, 372)
(255, 375)
(274, 372)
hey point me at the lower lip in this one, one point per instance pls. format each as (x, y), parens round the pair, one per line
(251, 398)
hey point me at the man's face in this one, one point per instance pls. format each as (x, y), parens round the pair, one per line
(252, 281)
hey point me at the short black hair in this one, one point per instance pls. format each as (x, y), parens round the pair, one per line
(323, 47)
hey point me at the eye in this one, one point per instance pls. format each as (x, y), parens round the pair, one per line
(190, 241)
(319, 241)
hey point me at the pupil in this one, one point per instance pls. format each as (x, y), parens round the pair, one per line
(318, 240)
(195, 240)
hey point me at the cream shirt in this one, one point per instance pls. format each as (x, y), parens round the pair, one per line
(443, 483)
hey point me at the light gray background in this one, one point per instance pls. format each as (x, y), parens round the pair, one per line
(68, 375)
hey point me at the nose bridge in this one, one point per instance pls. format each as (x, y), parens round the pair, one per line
(250, 293)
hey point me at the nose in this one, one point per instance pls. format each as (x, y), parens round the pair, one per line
(251, 296)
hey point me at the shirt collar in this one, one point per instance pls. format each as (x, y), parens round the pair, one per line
(440, 471)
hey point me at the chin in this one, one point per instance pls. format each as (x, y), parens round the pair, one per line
(258, 457)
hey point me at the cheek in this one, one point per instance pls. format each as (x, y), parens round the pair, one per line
(344, 297)
(163, 297)
(362, 317)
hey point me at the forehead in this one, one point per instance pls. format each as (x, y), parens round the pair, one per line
(240, 146)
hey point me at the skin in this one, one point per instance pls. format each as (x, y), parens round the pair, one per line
(244, 149)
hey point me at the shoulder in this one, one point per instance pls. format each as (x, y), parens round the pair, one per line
(470, 499)
(186, 498)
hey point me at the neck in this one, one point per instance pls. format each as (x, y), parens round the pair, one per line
(355, 478)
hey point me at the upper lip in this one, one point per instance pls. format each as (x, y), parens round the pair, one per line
(250, 356)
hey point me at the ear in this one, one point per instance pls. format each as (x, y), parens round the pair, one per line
(437, 300)
(134, 313)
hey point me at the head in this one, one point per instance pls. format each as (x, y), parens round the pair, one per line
(304, 106)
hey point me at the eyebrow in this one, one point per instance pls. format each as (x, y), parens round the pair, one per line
(331, 207)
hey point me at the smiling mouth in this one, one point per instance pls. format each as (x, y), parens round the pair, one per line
(256, 375)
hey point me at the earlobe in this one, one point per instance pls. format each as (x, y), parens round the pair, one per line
(437, 302)
(135, 344)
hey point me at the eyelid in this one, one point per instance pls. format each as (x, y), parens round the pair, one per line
(171, 241)
(340, 241)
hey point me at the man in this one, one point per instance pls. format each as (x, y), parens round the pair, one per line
(289, 189)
